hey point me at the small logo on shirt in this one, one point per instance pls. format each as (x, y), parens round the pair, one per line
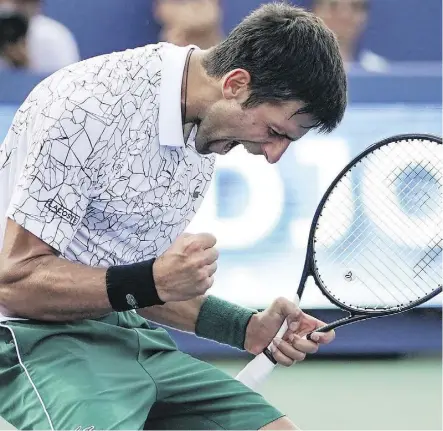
(196, 193)
(62, 212)
(131, 301)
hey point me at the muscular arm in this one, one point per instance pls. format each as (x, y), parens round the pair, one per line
(181, 315)
(37, 284)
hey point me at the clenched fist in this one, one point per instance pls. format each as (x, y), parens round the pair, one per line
(187, 268)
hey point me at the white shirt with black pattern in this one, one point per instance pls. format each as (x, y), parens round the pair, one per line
(95, 162)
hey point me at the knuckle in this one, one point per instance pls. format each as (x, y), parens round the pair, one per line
(314, 348)
(288, 362)
(211, 281)
(211, 238)
(301, 356)
(203, 287)
(201, 275)
(213, 269)
(280, 301)
(192, 247)
(216, 254)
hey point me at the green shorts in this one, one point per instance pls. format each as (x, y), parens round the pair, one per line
(115, 373)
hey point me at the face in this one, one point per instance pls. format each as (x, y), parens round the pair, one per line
(346, 18)
(265, 130)
(28, 7)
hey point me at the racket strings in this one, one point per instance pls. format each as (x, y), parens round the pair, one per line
(366, 230)
(430, 257)
(430, 228)
(358, 208)
(383, 232)
(349, 260)
(431, 173)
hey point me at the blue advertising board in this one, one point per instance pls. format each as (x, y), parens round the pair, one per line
(261, 213)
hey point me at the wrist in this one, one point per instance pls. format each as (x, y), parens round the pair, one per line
(130, 287)
(224, 322)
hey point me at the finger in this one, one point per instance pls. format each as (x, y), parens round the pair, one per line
(288, 350)
(280, 357)
(209, 256)
(204, 286)
(309, 324)
(205, 240)
(211, 269)
(286, 308)
(323, 337)
(294, 323)
(303, 344)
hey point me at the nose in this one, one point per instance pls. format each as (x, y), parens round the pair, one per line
(274, 150)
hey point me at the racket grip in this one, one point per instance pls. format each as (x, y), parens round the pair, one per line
(256, 372)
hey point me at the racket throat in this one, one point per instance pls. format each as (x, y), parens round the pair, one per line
(341, 322)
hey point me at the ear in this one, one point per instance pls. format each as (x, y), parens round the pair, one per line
(235, 85)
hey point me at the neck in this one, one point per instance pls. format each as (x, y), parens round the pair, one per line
(198, 90)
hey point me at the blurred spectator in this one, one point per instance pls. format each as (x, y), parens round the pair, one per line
(49, 44)
(189, 22)
(13, 30)
(347, 19)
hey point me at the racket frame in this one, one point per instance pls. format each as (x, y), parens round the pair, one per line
(355, 315)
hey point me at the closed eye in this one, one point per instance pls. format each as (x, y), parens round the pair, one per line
(274, 133)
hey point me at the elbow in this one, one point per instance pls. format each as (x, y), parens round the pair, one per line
(8, 281)
(10, 278)
(13, 284)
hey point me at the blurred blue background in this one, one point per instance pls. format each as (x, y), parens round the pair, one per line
(261, 214)
(400, 30)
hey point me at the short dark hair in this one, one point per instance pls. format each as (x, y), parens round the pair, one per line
(290, 55)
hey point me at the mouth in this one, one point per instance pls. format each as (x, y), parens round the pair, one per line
(229, 146)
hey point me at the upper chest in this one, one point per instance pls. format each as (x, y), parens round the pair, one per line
(157, 179)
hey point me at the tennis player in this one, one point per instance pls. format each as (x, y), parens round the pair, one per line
(105, 164)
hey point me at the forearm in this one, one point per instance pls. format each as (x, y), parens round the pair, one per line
(53, 289)
(207, 316)
(180, 315)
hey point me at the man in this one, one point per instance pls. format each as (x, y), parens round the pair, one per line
(189, 22)
(105, 164)
(13, 31)
(49, 44)
(347, 19)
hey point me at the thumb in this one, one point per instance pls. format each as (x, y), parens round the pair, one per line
(287, 309)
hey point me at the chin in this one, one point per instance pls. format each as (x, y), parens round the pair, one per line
(202, 148)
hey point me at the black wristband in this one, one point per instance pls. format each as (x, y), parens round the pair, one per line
(132, 286)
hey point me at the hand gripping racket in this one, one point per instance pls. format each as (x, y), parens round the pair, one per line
(375, 243)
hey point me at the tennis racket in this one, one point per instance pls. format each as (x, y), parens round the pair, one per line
(375, 243)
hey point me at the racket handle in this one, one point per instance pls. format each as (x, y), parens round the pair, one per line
(259, 369)
(256, 372)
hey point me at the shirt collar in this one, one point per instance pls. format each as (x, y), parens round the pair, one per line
(170, 115)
